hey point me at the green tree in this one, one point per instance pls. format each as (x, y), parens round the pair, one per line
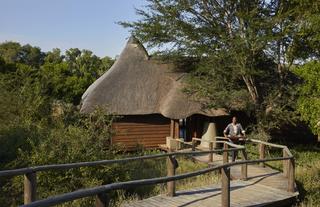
(9, 51)
(54, 56)
(242, 48)
(307, 40)
(67, 77)
(106, 63)
(309, 94)
(63, 77)
(307, 48)
(13, 52)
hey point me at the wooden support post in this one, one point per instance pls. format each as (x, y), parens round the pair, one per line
(194, 142)
(211, 153)
(193, 145)
(172, 128)
(290, 171)
(225, 180)
(30, 187)
(176, 128)
(262, 153)
(244, 167)
(285, 163)
(102, 200)
(171, 171)
(225, 154)
(225, 187)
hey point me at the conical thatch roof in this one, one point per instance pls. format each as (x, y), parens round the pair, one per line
(138, 85)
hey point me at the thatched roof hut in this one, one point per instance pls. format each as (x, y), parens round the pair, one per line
(138, 85)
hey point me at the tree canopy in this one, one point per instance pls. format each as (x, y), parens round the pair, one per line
(63, 77)
(245, 50)
(309, 94)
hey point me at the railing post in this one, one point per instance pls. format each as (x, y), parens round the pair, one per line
(225, 180)
(244, 167)
(172, 164)
(193, 145)
(262, 153)
(211, 153)
(102, 200)
(30, 187)
(291, 169)
(225, 154)
(285, 163)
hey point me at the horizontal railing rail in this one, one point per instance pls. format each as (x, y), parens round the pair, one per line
(22, 171)
(267, 143)
(256, 141)
(284, 147)
(222, 138)
(221, 142)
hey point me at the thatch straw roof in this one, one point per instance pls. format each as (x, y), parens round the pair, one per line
(137, 84)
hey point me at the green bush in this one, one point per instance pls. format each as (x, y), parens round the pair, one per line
(308, 174)
(84, 140)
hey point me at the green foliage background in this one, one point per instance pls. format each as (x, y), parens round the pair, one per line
(309, 94)
(40, 123)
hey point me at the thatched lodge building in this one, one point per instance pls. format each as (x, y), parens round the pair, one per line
(147, 94)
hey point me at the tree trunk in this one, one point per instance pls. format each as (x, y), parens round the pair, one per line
(252, 88)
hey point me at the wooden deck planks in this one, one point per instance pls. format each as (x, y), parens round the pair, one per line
(242, 194)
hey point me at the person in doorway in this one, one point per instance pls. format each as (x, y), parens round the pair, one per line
(235, 134)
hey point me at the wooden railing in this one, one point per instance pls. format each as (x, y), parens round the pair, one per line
(288, 164)
(212, 144)
(101, 191)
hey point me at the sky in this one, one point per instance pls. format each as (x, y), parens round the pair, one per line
(64, 24)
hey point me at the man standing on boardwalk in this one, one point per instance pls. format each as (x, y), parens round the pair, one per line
(235, 133)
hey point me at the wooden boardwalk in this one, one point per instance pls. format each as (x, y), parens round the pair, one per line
(264, 187)
(261, 186)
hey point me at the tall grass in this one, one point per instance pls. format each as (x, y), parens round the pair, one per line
(308, 174)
